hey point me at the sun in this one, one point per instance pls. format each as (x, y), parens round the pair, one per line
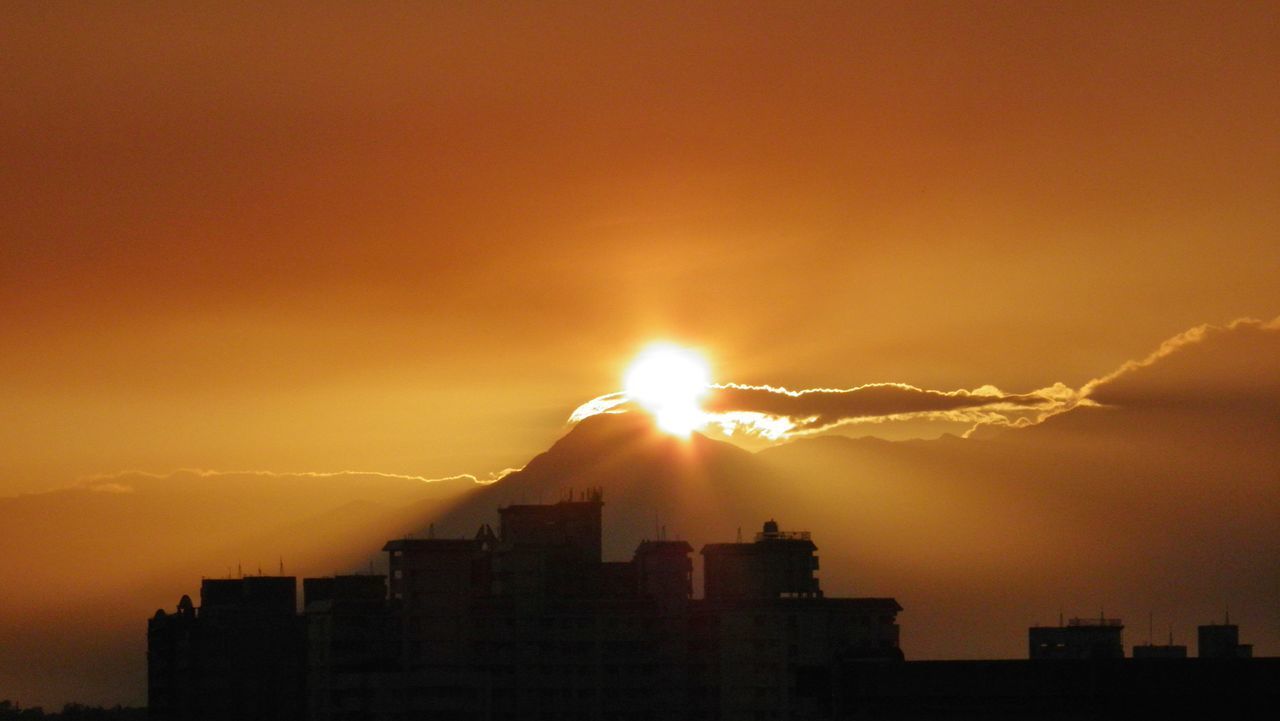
(670, 382)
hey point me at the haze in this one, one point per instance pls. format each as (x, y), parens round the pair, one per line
(407, 241)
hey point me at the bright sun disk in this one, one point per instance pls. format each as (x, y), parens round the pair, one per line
(670, 382)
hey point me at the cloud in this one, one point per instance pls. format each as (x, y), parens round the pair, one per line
(1234, 366)
(776, 413)
(496, 476)
(111, 488)
(100, 481)
(819, 409)
(607, 403)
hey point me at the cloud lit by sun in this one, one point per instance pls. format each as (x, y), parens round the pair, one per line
(670, 382)
(673, 385)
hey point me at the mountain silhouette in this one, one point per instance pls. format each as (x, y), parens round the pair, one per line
(650, 480)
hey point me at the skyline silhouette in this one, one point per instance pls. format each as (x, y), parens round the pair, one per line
(532, 622)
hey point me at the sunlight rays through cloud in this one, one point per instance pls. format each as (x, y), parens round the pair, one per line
(772, 413)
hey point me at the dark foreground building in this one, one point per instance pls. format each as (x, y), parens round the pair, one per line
(529, 622)
(240, 655)
(1060, 689)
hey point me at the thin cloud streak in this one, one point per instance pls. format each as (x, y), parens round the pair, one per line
(821, 409)
(1192, 337)
(118, 481)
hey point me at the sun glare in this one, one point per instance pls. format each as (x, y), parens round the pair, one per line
(670, 382)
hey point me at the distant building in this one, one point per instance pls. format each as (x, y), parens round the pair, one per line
(531, 622)
(777, 565)
(1117, 688)
(1079, 639)
(1222, 640)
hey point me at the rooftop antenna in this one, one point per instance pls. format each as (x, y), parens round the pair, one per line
(1060, 623)
(282, 565)
(259, 569)
(431, 530)
(239, 569)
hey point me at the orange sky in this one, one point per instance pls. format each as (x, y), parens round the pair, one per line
(412, 238)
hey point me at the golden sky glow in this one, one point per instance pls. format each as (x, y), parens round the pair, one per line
(411, 238)
(305, 238)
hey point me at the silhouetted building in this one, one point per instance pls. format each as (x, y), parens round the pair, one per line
(1115, 688)
(530, 623)
(1081, 638)
(351, 643)
(1151, 650)
(239, 655)
(778, 564)
(527, 622)
(1222, 640)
